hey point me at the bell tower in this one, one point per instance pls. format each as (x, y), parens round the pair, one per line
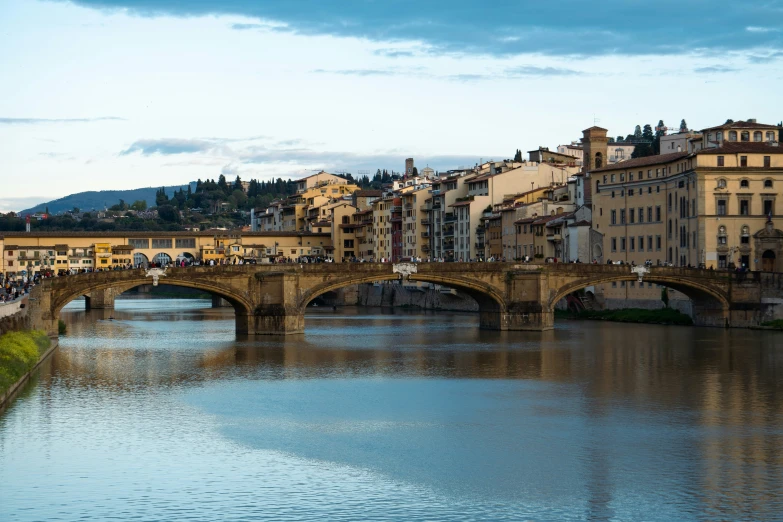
(595, 145)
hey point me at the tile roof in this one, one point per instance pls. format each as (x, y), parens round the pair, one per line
(643, 162)
(742, 125)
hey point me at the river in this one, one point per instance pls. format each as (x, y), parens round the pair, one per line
(162, 414)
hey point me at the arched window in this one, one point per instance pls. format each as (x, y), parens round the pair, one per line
(757, 136)
(770, 136)
(722, 240)
(745, 136)
(721, 183)
(744, 183)
(767, 183)
(599, 160)
(719, 135)
(732, 135)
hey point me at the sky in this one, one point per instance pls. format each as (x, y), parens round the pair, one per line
(120, 94)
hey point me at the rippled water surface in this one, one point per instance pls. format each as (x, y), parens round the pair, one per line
(161, 414)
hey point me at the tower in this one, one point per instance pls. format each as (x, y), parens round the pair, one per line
(409, 166)
(595, 146)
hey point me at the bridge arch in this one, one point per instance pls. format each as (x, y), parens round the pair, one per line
(86, 284)
(490, 301)
(711, 306)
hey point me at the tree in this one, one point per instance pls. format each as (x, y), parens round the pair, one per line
(637, 133)
(415, 172)
(660, 130)
(222, 185)
(683, 126)
(729, 121)
(647, 133)
(139, 205)
(518, 156)
(168, 213)
(160, 197)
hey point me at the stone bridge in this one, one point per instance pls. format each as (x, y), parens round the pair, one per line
(271, 299)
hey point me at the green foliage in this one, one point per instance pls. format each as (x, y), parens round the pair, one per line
(61, 327)
(19, 353)
(141, 205)
(777, 324)
(518, 155)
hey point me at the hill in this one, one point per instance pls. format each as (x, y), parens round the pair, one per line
(98, 200)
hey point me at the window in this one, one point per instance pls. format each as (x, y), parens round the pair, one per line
(658, 243)
(613, 193)
(770, 136)
(721, 161)
(612, 178)
(744, 207)
(745, 236)
(630, 192)
(622, 176)
(649, 243)
(186, 243)
(649, 173)
(614, 217)
(631, 244)
(622, 216)
(744, 183)
(604, 179)
(722, 262)
(743, 161)
(641, 214)
(732, 135)
(670, 229)
(658, 213)
(631, 215)
(722, 207)
(622, 244)
(630, 176)
(769, 205)
(719, 136)
(649, 190)
(657, 189)
(722, 240)
(649, 214)
(614, 284)
(670, 202)
(161, 243)
(767, 164)
(745, 136)
(757, 136)
(139, 243)
(614, 244)
(641, 243)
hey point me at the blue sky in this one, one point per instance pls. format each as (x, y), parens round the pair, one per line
(108, 94)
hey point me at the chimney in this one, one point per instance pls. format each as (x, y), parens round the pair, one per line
(751, 120)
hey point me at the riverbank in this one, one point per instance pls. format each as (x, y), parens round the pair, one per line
(20, 354)
(630, 315)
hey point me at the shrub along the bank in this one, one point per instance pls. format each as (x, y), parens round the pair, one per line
(19, 353)
(637, 315)
(777, 323)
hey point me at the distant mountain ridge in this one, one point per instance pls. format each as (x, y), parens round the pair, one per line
(98, 200)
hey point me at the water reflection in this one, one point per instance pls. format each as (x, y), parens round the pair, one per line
(592, 421)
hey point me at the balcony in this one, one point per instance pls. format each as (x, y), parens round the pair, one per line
(554, 237)
(449, 232)
(426, 221)
(449, 218)
(396, 208)
(480, 246)
(425, 234)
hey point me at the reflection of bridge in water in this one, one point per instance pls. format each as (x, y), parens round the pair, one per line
(271, 299)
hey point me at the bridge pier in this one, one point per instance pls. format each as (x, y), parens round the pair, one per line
(100, 299)
(270, 320)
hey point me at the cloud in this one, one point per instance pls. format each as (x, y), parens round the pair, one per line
(36, 121)
(246, 27)
(393, 53)
(358, 72)
(765, 58)
(168, 146)
(531, 70)
(715, 69)
(566, 27)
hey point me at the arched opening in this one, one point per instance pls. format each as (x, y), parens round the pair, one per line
(161, 259)
(101, 296)
(599, 160)
(704, 306)
(185, 257)
(447, 294)
(140, 260)
(768, 261)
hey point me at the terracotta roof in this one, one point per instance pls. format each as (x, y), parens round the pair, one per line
(368, 193)
(461, 203)
(524, 221)
(582, 223)
(546, 219)
(735, 147)
(643, 162)
(742, 125)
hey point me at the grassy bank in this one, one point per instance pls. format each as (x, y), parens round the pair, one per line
(777, 324)
(632, 315)
(19, 352)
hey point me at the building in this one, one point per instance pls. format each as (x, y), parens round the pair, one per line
(409, 167)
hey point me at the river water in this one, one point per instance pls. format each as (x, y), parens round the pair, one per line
(161, 414)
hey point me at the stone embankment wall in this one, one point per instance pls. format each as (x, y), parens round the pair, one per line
(14, 317)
